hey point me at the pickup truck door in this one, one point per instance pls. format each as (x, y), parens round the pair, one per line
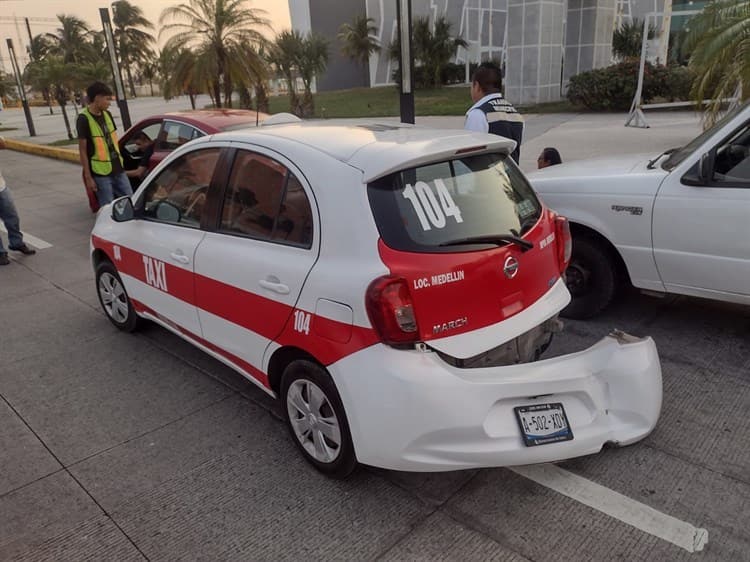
(701, 220)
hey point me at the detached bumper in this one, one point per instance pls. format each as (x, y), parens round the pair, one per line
(409, 410)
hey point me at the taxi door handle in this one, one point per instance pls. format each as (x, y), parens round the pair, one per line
(274, 285)
(180, 257)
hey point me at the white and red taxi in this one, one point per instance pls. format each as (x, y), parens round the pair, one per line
(394, 286)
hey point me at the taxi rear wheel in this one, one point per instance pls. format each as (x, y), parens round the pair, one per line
(114, 299)
(316, 419)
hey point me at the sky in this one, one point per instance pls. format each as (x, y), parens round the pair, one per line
(88, 10)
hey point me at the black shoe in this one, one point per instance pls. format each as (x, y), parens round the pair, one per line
(4, 259)
(24, 249)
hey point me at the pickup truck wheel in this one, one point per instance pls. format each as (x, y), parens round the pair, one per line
(591, 278)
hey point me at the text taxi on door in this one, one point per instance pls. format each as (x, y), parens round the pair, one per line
(394, 287)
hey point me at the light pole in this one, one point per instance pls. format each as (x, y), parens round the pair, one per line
(21, 91)
(122, 102)
(406, 64)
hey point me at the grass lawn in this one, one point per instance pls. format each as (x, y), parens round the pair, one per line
(63, 142)
(382, 102)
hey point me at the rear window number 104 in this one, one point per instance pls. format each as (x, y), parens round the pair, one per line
(432, 210)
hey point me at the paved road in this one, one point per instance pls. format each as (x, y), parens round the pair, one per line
(131, 447)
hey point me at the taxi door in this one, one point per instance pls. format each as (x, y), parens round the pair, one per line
(166, 238)
(250, 269)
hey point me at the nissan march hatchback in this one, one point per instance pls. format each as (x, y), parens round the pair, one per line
(394, 287)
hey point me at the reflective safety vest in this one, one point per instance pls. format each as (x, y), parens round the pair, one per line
(101, 163)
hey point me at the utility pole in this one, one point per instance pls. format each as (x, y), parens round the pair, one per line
(406, 64)
(21, 91)
(122, 101)
(28, 30)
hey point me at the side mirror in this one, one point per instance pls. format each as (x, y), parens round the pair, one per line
(706, 167)
(702, 173)
(122, 210)
(168, 212)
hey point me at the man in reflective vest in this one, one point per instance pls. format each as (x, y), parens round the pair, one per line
(103, 173)
(491, 112)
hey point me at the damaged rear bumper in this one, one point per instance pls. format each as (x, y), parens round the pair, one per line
(410, 410)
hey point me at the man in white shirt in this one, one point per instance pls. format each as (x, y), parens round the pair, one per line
(491, 112)
(9, 217)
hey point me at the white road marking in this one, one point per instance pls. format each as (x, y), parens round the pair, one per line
(38, 243)
(616, 505)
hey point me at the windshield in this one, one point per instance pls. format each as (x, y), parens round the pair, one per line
(428, 208)
(681, 153)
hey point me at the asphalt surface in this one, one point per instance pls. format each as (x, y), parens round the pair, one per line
(133, 447)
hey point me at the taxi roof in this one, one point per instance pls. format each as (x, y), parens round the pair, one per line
(379, 149)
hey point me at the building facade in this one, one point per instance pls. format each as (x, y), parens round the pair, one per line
(540, 43)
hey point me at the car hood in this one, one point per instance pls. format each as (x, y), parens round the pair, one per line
(595, 167)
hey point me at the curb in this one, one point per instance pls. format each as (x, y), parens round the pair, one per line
(41, 150)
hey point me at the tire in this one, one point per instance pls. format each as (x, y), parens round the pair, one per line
(321, 434)
(114, 299)
(591, 278)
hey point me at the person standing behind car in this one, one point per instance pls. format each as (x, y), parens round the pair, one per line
(548, 157)
(9, 217)
(491, 112)
(146, 150)
(98, 151)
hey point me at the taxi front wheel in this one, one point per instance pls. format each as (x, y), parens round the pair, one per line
(316, 419)
(114, 299)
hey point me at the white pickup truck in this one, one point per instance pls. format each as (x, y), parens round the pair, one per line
(677, 222)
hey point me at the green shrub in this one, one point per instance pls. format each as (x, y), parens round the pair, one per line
(613, 88)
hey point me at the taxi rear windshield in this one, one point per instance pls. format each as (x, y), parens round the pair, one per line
(433, 208)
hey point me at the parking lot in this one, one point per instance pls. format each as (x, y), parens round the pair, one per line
(131, 447)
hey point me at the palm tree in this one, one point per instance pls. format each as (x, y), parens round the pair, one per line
(254, 76)
(284, 55)
(215, 30)
(150, 71)
(56, 76)
(434, 47)
(134, 45)
(182, 73)
(300, 55)
(38, 48)
(627, 40)
(71, 39)
(312, 61)
(719, 40)
(359, 41)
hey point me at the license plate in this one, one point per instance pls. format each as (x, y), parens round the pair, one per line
(542, 424)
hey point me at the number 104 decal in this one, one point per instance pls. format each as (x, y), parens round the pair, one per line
(302, 322)
(432, 211)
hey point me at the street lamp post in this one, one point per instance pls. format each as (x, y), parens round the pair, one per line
(21, 91)
(122, 101)
(406, 64)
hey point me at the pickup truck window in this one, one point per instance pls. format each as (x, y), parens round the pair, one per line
(676, 158)
(732, 166)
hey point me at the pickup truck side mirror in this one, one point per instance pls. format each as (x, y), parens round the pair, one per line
(703, 172)
(706, 167)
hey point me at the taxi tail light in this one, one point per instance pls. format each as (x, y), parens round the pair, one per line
(391, 310)
(564, 242)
